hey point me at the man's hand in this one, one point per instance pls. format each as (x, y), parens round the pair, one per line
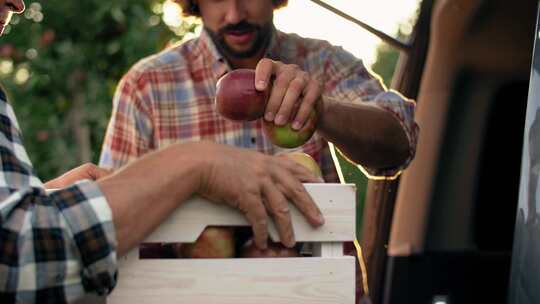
(259, 185)
(86, 171)
(291, 89)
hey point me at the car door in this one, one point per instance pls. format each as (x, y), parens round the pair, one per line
(525, 269)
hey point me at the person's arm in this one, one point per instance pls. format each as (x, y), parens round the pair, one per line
(60, 245)
(364, 133)
(145, 192)
(370, 125)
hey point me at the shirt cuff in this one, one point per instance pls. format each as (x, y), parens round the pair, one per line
(89, 218)
(403, 110)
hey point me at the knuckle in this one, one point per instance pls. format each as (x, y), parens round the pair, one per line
(91, 167)
(293, 66)
(261, 222)
(298, 84)
(298, 190)
(282, 211)
(282, 81)
(315, 84)
(265, 62)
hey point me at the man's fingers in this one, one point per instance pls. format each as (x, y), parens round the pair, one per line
(279, 88)
(263, 72)
(99, 173)
(278, 207)
(292, 98)
(256, 215)
(311, 94)
(297, 194)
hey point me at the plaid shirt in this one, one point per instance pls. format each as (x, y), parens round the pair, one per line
(169, 98)
(54, 248)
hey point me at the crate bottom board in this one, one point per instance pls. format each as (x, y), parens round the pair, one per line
(310, 280)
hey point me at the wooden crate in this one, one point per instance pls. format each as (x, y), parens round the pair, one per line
(327, 277)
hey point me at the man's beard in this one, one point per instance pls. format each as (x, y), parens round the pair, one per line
(263, 35)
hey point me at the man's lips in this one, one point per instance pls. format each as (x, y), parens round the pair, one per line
(240, 37)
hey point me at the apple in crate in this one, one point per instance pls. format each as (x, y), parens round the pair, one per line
(274, 250)
(236, 96)
(156, 251)
(305, 160)
(286, 137)
(213, 243)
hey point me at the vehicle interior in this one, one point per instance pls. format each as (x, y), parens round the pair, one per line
(443, 232)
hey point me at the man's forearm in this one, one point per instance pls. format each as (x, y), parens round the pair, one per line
(367, 135)
(144, 193)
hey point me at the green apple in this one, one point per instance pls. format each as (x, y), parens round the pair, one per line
(305, 160)
(286, 137)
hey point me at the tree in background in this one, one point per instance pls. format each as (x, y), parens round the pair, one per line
(61, 69)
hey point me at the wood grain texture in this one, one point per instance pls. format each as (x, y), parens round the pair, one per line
(237, 281)
(328, 279)
(336, 201)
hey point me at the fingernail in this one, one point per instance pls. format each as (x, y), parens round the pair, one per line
(321, 219)
(261, 84)
(321, 180)
(280, 120)
(269, 116)
(292, 243)
(296, 125)
(292, 239)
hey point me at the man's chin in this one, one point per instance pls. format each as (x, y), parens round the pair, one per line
(243, 52)
(236, 48)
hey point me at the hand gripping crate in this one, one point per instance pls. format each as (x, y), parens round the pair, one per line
(326, 277)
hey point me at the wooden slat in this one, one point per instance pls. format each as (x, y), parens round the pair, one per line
(313, 280)
(237, 281)
(336, 201)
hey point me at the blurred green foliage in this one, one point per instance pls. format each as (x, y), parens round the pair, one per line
(387, 58)
(60, 63)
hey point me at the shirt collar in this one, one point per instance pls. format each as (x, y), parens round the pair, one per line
(272, 51)
(211, 56)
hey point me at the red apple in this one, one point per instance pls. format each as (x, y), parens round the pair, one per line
(155, 251)
(213, 243)
(236, 96)
(274, 250)
(286, 137)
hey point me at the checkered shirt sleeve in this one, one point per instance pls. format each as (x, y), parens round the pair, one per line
(55, 247)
